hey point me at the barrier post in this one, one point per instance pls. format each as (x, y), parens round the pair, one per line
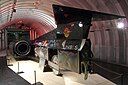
(35, 76)
(122, 78)
(19, 69)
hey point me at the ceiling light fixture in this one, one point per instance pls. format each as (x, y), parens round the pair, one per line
(80, 24)
(120, 25)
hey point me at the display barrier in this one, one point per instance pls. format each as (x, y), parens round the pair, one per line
(3, 60)
(109, 74)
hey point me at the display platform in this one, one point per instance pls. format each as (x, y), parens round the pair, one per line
(48, 78)
(72, 78)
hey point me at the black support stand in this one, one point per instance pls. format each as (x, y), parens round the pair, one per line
(36, 83)
(19, 72)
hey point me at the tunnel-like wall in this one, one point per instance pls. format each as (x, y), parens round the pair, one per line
(109, 42)
(110, 45)
(3, 40)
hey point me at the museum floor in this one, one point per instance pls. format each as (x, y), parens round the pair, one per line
(27, 68)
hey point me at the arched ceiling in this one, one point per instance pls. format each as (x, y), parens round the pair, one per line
(41, 13)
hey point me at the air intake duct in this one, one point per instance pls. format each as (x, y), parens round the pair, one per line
(22, 48)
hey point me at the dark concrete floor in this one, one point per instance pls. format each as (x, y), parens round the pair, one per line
(116, 73)
(7, 76)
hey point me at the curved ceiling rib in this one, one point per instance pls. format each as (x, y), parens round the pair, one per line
(26, 10)
(41, 10)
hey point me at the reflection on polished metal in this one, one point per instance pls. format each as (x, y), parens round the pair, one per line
(73, 51)
(39, 52)
(56, 61)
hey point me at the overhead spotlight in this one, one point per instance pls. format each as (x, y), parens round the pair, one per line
(72, 25)
(80, 24)
(61, 9)
(40, 44)
(14, 10)
(120, 25)
(58, 32)
(20, 22)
